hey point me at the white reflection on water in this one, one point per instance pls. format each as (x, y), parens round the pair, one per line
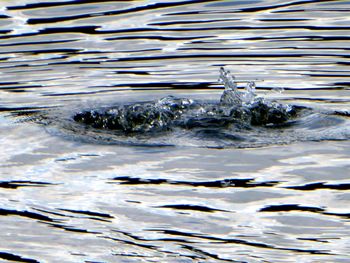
(82, 177)
(106, 203)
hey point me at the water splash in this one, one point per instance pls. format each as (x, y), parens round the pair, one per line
(249, 95)
(240, 118)
(231, 93)
(236, 109)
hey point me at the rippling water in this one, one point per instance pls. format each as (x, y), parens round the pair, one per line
(66, 199)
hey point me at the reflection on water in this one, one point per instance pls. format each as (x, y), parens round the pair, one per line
(73, 201)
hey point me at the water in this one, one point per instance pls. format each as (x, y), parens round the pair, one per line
(239, 119)
(67, 196)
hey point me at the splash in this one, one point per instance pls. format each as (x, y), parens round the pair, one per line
(236, 109)
(239, 119)
(231, 93)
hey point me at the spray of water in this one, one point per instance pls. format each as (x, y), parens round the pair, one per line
(232, 96)
(241, 118)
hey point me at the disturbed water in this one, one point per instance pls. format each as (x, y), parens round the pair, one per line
(204, 191)
(239, 119)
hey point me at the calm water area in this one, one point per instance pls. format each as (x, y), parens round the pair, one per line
(69, 196)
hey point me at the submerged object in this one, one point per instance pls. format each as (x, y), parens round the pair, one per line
(235, 109)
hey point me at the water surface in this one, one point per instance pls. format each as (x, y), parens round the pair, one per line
(65, 199)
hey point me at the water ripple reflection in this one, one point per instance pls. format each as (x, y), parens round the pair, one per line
(76, 201)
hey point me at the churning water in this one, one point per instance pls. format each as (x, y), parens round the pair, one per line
(239, 119)
(119, 144)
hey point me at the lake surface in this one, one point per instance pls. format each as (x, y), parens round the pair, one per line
(65, 198)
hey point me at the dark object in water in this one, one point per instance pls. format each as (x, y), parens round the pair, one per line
(236, 108)
(239, 119)
(154, 116)
(140, 117)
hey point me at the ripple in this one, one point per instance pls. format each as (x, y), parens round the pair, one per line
(224, 193)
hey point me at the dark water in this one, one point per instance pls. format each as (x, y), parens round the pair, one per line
(69, 195)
